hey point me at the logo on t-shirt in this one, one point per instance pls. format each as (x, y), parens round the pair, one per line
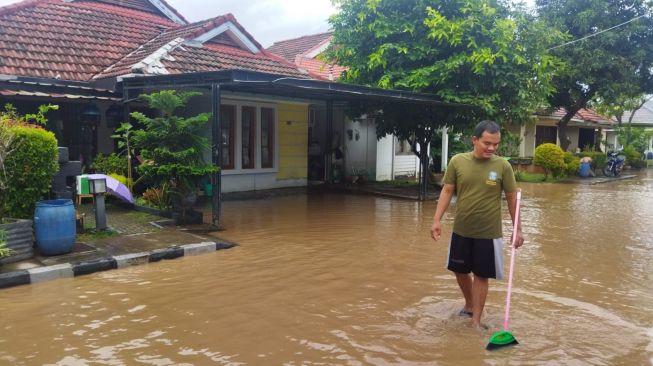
(491, 179)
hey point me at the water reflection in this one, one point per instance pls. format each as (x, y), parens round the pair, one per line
(356, 280)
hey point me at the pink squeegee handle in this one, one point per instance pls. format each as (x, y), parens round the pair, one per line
(512, 260)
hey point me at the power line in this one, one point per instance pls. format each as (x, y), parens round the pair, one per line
(597, 33)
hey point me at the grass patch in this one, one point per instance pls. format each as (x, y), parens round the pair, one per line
(528, 177)
(403, 182)
(92, 235)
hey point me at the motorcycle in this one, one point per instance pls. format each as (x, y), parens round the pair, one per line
(614, 164)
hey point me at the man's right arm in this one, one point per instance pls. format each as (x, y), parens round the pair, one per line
(443, 203)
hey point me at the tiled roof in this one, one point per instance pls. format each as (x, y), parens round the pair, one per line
(147, 6)
(585, 115)
(71, 41)
(291, 48)
(319, 68)
(168, 53)
(302, 52)
(216, 57)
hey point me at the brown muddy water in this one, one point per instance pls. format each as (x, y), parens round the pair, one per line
(355, 280)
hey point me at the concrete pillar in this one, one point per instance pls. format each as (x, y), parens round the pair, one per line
(445, 149)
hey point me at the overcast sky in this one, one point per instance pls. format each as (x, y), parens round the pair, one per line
(266, 20)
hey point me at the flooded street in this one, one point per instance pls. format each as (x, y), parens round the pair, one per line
(334, 279)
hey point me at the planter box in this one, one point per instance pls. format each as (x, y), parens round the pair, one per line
(20, 239)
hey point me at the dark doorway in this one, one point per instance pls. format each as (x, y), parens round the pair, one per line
(585, 138)
(545, 134)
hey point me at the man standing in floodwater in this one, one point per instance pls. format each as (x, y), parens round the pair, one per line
(477, 178)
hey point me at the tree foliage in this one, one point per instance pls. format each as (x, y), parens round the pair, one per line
(479, 53)
(476, 52)
(612, 65)
(172, 145)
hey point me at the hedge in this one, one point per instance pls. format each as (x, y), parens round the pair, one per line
(30, 169)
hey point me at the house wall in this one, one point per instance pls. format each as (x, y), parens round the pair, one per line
(360, 147)
(293, 141)
(291, 145)
(572, 134)
(384, 153)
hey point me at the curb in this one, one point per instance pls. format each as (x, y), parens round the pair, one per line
(65, 270)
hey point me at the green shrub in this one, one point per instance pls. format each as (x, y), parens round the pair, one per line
(4, 250)
(551, 158)
(598, 158)
(509, 145)
(173, 146)
(634, 158)
(29, 169)
(108, 164)
(158, 197)
(572, 163)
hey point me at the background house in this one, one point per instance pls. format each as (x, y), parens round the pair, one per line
(280, 124)
(76, 54)
(379, 159)
(587, 129)
(643, 118)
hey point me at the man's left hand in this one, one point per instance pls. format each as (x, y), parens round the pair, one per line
(519, 241)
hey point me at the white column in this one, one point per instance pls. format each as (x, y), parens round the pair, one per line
(522, 144)
(445, 148)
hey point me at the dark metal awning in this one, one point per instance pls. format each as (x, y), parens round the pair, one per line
(22, 86)
(279, 85)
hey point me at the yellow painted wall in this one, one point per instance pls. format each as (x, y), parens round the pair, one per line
(293, 141)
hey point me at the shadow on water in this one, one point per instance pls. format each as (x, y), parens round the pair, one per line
(356, 280)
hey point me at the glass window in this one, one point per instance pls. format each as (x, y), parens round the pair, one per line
(267, 137)
(227, 123)
(248, 136)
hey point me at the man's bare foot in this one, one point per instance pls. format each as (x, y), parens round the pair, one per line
(464, 312)
(480, 326)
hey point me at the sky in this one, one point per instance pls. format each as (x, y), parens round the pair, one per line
(266, 20)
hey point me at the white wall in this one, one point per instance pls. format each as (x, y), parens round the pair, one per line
(361, 148)
(384, 153)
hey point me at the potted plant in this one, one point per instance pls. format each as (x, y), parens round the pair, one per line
(171, 147)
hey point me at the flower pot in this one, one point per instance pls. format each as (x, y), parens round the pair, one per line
(19, 235)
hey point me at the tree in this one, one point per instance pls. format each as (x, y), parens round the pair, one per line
(172, 146)
(124, 135)
(624, 107)
(476, 52)
(612, 59)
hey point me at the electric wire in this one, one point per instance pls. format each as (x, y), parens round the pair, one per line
(597, 33)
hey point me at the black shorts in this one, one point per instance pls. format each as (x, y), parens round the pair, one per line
(483, 257)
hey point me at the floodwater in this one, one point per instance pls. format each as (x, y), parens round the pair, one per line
(356, 280)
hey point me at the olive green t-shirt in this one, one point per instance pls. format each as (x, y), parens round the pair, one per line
(479, 184)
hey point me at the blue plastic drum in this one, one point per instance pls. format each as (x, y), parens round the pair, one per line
(54, 226)
(585, 170)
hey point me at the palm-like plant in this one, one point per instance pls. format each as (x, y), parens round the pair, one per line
(172, 145)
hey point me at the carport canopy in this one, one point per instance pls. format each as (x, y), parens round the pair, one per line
(274, 85)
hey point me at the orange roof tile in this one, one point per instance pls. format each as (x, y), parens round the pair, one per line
(182, 58)
(291, 48)
(71, 41)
